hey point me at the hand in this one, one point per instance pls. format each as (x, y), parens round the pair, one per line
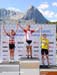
(17, 23)
(40, 27)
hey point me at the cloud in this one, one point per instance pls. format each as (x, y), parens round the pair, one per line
(44, 9)
(52, 16)
(43, 6)
(54, 4)
(47, 13)
(14, 9)
(56, 15)
(53, 20)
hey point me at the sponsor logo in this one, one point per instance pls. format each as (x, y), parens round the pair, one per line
(20, 47)
(51, 46)
(36, 35)
(20, 55)
(36, 55)
(19, 51)
(20, 42)
(46, 31)
(5, 55)
(36, 47)
(50, 50)
(5, 50)
(51, 42)
(20, 31)
(19, 34)
(35, 42)
(50, 54)
(5, 47)
(36, 50)
(4, 42)
(4, 59)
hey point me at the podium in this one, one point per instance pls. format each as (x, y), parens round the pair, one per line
(29, 67)
(9, 68)
(22, 67)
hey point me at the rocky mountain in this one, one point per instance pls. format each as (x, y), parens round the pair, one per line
(10, 14)
(34, 14)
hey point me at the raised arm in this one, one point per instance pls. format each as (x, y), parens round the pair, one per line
(5, 30)
(17, 26)
(39, 28)
(21, 27)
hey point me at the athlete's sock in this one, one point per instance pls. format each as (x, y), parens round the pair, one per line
(31, 57)
(12, 58)
(27, 56)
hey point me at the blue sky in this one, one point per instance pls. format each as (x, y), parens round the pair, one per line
(47, 7)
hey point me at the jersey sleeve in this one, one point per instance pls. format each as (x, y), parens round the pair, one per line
(14, 33)
(25, 30)
(32, 31)
(8, 34)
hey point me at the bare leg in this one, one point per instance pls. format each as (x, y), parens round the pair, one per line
(30, 50)
(27, 51)
(43, 59)
(12, 54)
(47, 59)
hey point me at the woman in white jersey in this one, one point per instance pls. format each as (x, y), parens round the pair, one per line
(11, 36)
(28, 34)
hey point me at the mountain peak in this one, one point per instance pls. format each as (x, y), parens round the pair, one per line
(34, 14)
(31, 7)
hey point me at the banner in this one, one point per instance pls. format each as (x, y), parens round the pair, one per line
(0, 43)
(49, 72)
(20, 42)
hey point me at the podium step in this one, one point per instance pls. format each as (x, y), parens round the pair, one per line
(44, 66)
